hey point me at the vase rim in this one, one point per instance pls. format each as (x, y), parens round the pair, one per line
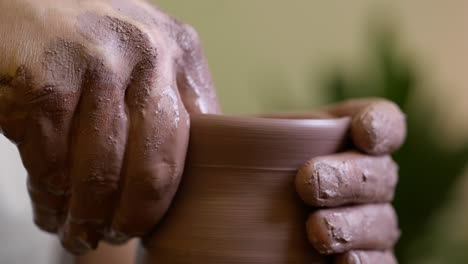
(258, 142)
(242, 121)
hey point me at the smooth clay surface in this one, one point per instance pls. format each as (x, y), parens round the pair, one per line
(237, 201)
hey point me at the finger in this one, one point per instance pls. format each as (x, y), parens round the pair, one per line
(44, 155)
(378, 126)
(338, 230)
(44, 147)
(97, 154)
(193, 74)
(156, 149)
(346, 178)
(49, 209)
(366, 257)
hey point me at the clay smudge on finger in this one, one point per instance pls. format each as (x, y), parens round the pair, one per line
(74, 68)
(40, 123)
(338, 230)
(347, 178)
(137, 60)
(194, 79)
(366, 257)
(380, 128)
(158, 121)
(193, 75)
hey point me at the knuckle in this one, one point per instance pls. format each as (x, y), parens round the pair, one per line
(54, 185)
(23, 93)
(96, 182)
(157, 182)
(54, 101)
(128, 39)
(188, 37)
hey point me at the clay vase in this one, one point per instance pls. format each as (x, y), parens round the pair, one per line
(237, 201)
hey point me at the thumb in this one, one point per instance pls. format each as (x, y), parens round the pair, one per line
(378, 126)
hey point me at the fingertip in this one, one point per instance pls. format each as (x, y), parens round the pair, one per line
(76, 246)
(307, 185)
(128, 223)
(318, 233)
(48, 209)
(78, 237)
(379, 128)
(338, 230)
(47, 220)
(125, 227)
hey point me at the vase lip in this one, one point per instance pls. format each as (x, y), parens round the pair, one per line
(260, 121)
(257, 142)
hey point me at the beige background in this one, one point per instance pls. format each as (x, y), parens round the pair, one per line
(288, 45)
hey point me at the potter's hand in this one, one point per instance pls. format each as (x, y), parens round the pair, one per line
(96, 95)
(355, 188)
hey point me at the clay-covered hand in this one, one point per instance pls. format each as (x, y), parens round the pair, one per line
(96, 95)
(354, 189)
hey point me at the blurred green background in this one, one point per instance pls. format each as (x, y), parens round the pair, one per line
(269, 55)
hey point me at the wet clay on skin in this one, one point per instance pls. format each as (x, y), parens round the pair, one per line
(378, 126)
(347, 178)
(337, 230)
(102, 123)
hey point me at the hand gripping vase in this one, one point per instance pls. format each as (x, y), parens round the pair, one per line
(237, 201)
